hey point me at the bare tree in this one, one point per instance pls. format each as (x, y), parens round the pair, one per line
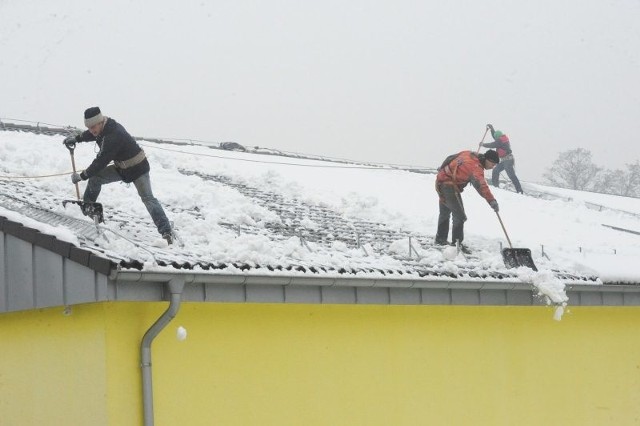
(620, 182)
(574, 170)
(609, 181)
(630, 183)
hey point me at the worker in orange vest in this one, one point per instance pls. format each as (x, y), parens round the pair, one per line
(454, 174)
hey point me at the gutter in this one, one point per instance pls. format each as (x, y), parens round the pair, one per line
(129, 276)
(132, 276)
(175, 286)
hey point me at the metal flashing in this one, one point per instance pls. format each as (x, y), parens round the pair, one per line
(63, 248)
(79, 255)
(51, 243)
(100, 264)
(45, 241)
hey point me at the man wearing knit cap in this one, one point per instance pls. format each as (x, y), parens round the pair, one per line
(130, 164)
(454, 174)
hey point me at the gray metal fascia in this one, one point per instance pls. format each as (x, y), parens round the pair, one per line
(131, 276)
(612, 288)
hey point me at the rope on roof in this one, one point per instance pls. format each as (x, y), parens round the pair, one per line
(34, 177)
(275, 162)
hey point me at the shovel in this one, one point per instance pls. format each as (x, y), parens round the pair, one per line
(515, 257)
(93, 210)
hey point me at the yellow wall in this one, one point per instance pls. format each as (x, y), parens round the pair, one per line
(52, 368)
(257, 364)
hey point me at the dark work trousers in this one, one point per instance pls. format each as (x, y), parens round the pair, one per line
(450, 205)
(508, 164)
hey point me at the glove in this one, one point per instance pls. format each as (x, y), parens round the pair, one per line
(70, 141)
(494, 206)
(76, 177)
(490, 127)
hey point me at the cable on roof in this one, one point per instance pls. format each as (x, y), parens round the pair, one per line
(34, 177)
(273, 162)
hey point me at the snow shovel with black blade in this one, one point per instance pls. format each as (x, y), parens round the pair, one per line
(93, 210)
(516, 257)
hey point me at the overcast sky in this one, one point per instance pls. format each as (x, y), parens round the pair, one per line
(397, 81)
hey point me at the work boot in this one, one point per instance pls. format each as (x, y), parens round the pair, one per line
(440, 242)
(464, 249)
(168, 237)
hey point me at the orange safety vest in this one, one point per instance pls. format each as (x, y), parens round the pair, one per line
(465, 168)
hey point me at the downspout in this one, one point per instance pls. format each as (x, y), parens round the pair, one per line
(175, 287)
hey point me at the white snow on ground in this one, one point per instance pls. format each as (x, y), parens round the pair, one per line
(571, 233)
(606, 200)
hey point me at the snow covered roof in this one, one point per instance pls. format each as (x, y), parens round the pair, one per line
(243, 212)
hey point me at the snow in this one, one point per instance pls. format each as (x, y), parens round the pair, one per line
(626, 204)
(569, 230)
(60, 232)
(181, 333)
(450, 253)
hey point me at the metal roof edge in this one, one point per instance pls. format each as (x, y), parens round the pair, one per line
(341, 281)
(63, 248)
(109, 268)
(605, 288)
(255, 288)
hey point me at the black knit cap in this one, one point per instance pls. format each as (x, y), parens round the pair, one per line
(91, 112)
(92, 116)
(492, 156)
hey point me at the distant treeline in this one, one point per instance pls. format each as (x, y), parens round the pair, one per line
(575, 169)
